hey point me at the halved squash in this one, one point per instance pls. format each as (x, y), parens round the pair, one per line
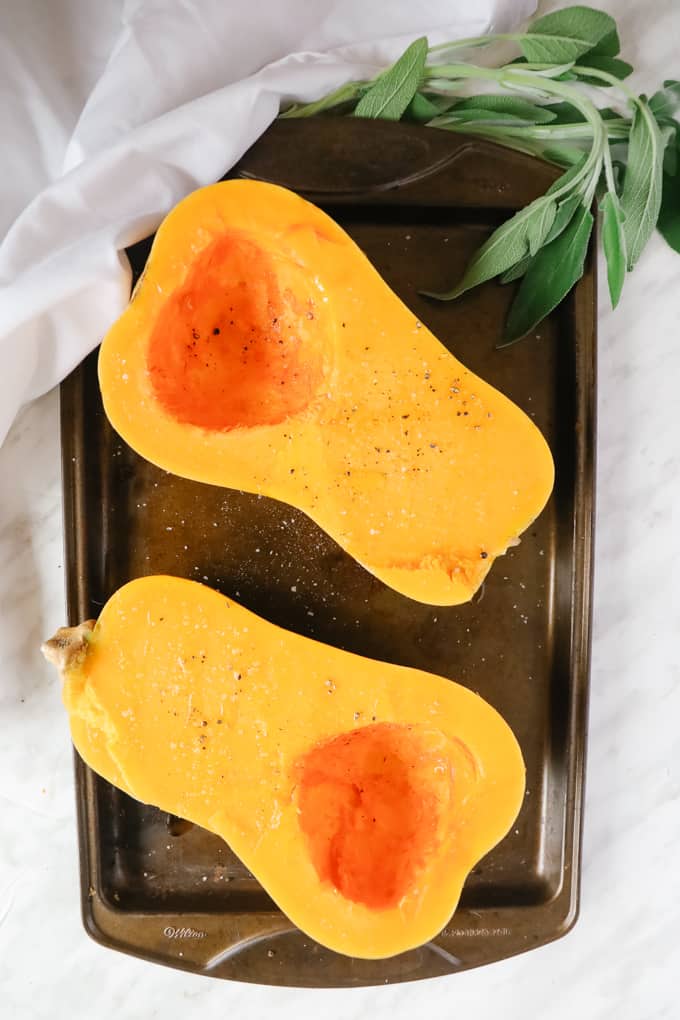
(359, 794)
(262, 351)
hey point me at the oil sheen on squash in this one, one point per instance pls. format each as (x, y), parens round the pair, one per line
(360, 794)
(262, 351)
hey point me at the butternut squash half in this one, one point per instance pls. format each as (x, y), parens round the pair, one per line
(359, 794)
(262, 351)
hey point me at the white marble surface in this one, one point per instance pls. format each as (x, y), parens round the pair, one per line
(623, 956)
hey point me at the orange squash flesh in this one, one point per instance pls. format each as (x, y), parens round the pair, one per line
(359, 794)
(370, 810)
(270, 365)
(262, 351)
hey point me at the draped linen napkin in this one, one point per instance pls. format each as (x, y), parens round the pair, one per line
(109, 120)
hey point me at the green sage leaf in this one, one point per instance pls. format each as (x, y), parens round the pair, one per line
(478, 116)
(608, 46)
(507, 245)
(518, 270)
(550, 277)
(671, 156)
(642, 184)
(422, 109)
(510, 106)
(565, 211)
(566, 35)
(612, 65)
(566, 113)
(394, 90)
(666, 102)
(670, 161)
(520, 236)
(669, 213)
(614, 245)
(540, 226)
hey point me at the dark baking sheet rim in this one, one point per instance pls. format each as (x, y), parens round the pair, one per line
(494, 938)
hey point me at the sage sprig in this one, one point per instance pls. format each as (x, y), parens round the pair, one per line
(620, 161)
(394, 90)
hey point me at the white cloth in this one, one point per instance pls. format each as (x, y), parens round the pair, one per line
(111, 113)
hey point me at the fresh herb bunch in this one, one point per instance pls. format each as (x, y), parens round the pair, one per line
(626, 161)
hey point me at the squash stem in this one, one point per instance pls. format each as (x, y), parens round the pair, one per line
(68, 648)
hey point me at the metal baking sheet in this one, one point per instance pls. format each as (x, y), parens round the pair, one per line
(418, 202)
